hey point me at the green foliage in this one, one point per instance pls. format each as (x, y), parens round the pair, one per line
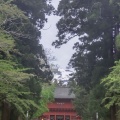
(36, 10)
(80, 102)
(112, 85)
(87, 104)
(6, 43)
(117, 42)
(10, 12)
(95, 99)
(21, 72)
(12, 87)
(94, 51)
(26, 35)
(46, 97)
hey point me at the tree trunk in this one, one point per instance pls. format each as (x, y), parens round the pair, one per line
(113, 112)
(5, 111)
(14, 115)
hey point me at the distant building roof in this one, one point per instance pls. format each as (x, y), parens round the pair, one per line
(63, 92)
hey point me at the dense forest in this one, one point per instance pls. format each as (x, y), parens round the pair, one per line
(25, 74)
(24, 69)
(96, 80)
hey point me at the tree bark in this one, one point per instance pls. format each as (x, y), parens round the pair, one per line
(113, 112)
(5, 111)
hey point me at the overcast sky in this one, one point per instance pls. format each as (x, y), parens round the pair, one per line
(49, 32)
